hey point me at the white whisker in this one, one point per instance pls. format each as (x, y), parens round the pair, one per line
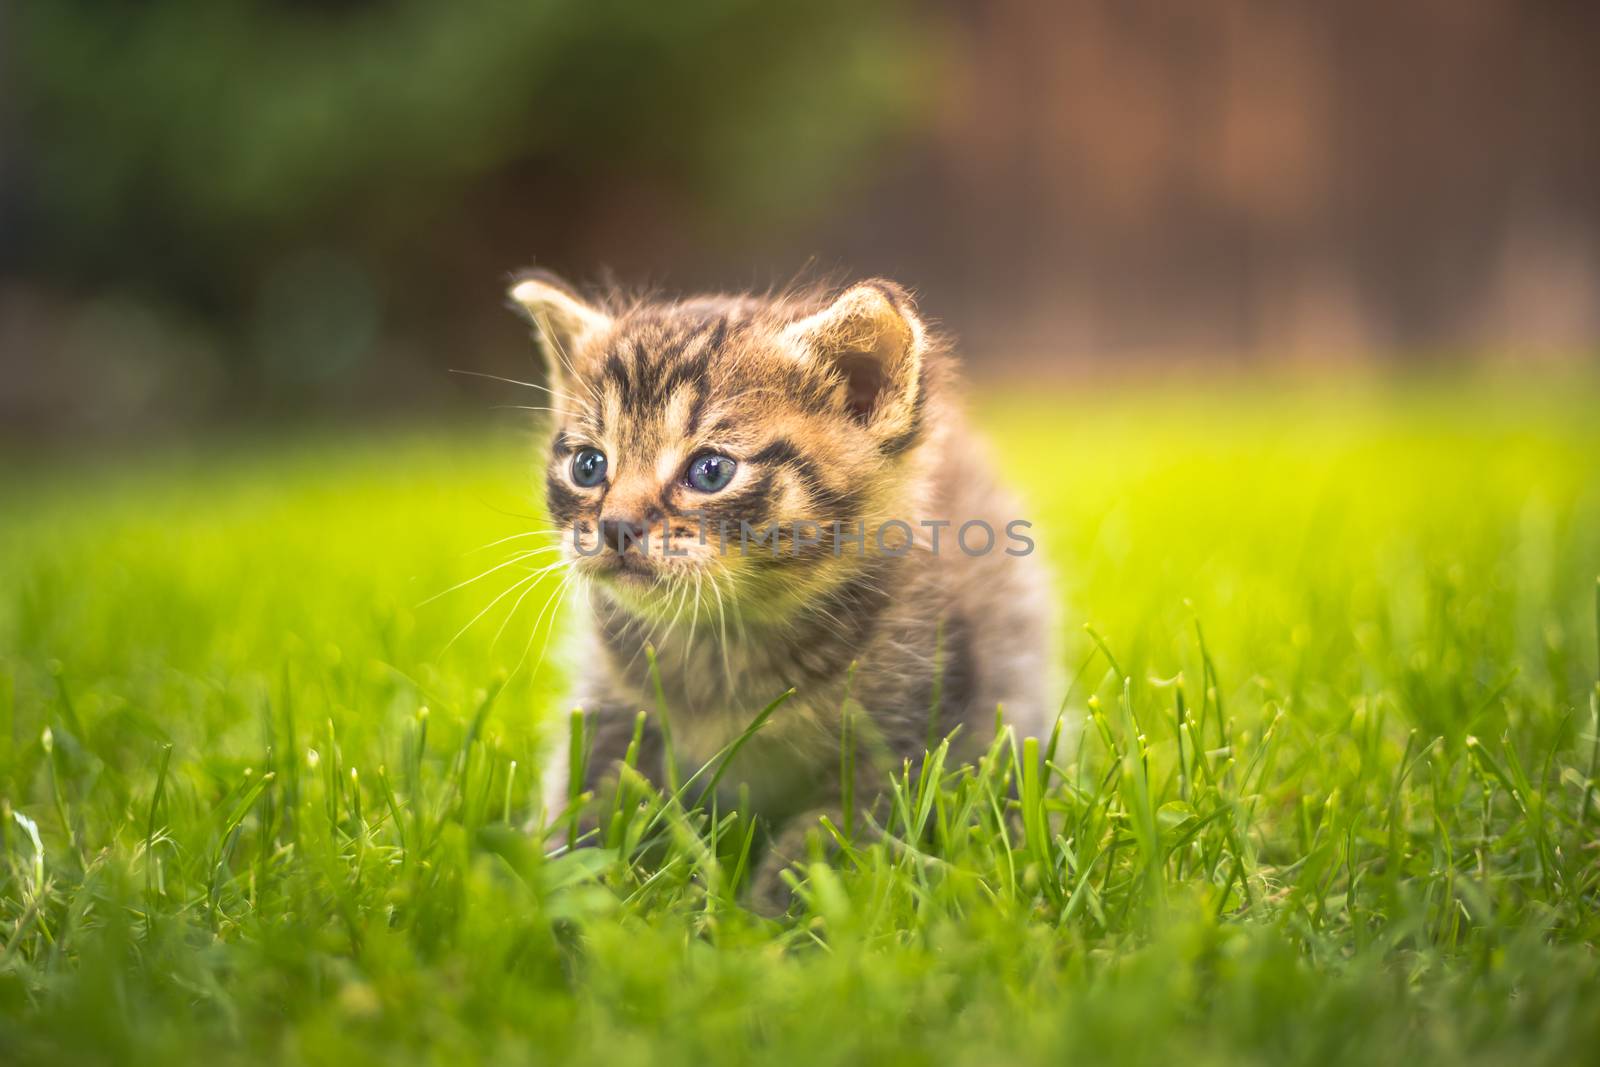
(532, 578)
(556, 599)
(513, 612)
(477, 577)
(517, 537)
(512, 381)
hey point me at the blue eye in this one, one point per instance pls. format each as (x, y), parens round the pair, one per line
(710, 473)
(589, 467)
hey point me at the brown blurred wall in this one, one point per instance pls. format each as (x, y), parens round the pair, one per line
(1238, 180)
(1260, 177)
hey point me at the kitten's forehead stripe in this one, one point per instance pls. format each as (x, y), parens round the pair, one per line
(699, 373)
(647, 368)
(619, 376)
(676, 416)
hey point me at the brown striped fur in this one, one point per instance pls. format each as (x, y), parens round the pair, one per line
(835, 407)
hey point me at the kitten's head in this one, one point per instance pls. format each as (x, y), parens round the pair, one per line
(684, 431)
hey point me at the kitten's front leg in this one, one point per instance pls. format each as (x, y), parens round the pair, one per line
(790, 846)
(770, 895)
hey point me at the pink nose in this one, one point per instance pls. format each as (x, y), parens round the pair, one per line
(618, 534)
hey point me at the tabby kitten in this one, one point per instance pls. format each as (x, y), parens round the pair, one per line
(737, 478)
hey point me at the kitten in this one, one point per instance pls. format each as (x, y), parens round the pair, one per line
(737, 478)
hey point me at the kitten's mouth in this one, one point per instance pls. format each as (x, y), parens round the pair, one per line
(625, 566)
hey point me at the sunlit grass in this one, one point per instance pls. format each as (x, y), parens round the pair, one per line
(1333, 797)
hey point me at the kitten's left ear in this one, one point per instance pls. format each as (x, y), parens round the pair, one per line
(561, 319)
(872, 339)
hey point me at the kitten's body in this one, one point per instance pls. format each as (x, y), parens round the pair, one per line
(833, 413)
(949, 635)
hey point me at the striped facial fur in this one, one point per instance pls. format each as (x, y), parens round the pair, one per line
(724, 473)
(727, 443)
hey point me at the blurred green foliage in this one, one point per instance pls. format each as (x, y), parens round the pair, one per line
(187, 148)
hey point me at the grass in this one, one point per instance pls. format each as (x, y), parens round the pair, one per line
(1335, 798)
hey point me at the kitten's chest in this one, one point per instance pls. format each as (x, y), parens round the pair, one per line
(718, 689)
(715, 692)
(782, 756)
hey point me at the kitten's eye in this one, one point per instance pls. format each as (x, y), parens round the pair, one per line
(589, 467)
(711, 472)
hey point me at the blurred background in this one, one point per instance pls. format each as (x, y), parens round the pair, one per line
(225, 210)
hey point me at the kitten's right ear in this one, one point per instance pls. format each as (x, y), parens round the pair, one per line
(561, 318)
(872, 342)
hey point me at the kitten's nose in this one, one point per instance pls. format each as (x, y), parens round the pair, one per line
(617, 534)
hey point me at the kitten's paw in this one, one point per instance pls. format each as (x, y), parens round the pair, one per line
(772, 886)
(771, 894)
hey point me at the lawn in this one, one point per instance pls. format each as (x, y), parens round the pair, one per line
(1325, 789)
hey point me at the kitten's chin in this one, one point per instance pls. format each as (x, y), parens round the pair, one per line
(650, 588)
(627, 569)
(637, 578)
